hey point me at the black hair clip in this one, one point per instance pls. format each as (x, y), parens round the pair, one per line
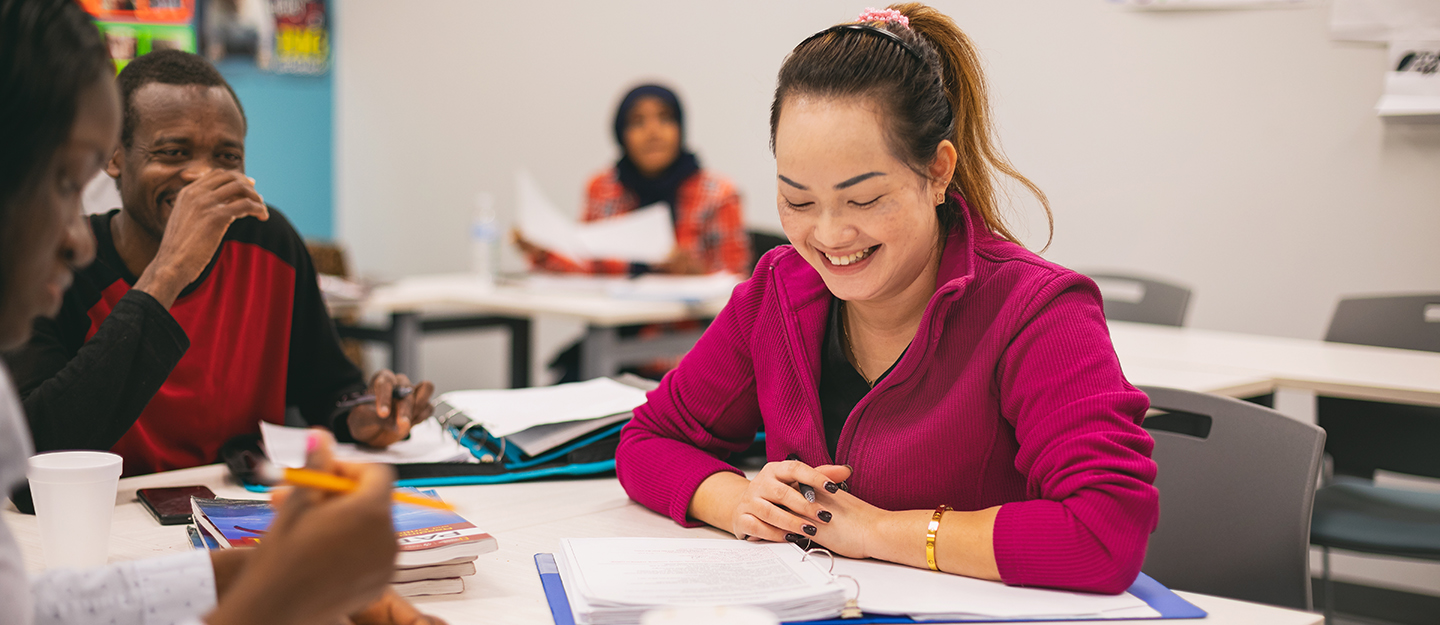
(866, 28)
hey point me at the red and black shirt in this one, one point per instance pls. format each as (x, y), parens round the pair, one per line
(164, 389)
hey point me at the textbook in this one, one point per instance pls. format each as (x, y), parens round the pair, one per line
(428, 537)
(608, 581)
(428, 587)
(405, 582)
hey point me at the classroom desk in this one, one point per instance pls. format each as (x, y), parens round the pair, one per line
(426, 304)
(526, 519)
(1246, 365)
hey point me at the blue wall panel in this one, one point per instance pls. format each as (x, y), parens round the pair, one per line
(288, 148)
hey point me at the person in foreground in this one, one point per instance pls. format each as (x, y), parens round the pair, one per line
(201, 315)
(905, 353)
(325, 556)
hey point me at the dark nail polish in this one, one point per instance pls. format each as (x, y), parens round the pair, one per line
(809, 529)
(852, 469)
(825, 516)
(793, 457)
(745, 537)
(845, 486)
(794, 538)
(832, 487)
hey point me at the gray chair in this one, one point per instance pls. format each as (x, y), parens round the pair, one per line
(1351, 512)
(1400, 321)
(1143, 300)
(761, 242)
(1236, 484)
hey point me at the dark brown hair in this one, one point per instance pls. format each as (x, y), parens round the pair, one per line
(50, 53)
(924, 103)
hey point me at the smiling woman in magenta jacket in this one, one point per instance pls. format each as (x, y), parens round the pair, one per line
(905, 346)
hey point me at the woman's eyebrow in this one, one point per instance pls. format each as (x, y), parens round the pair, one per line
(857, 180)
(839, 187)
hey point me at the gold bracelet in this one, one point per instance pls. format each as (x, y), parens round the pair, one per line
(930, 536)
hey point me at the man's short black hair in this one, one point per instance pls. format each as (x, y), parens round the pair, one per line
(167, 67)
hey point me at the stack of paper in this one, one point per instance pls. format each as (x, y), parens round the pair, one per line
(652, 287)
(893, 589)
(610, 581)
(614, 580)
(437, 548)
(539, 419)
(428, 442)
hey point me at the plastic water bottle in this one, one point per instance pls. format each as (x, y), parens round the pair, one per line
(484, 239)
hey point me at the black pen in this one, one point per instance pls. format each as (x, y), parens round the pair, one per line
(808, 491)
(805, 489)
(400, 392)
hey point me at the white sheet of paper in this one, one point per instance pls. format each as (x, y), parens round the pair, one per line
(887, 588)
(652, 287)
(660, 287)
(644, 235)
(428, 442)
(417, 291)
(541, 223)
(505, 412)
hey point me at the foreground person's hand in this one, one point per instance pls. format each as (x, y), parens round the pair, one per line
(392, 609)
(325, 556)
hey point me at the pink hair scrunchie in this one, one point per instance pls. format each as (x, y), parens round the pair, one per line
(873, 14)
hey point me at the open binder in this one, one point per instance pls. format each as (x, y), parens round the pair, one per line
(1161, 599)
(497, 459)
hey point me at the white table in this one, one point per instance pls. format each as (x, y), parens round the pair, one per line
(526, 519)
(1296, 370)
(426, 304)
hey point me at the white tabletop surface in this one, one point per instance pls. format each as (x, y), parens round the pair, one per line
(526, 519)
(453, 294)
(1190, 358)
(1227, 362)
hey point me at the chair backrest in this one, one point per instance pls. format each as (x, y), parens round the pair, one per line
(1237, 484)
(1144, 300)
(761, 242)
(1401, 321)
(1366, 436)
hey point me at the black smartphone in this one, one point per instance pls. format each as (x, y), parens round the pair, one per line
(171, 506)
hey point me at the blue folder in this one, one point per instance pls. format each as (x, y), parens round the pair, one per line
(1165, 601)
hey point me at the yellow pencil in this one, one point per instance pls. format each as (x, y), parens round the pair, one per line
(334, 483)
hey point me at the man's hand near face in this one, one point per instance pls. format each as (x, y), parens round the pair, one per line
(202, 211)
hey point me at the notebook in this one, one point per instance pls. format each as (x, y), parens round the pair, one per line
(604, 581)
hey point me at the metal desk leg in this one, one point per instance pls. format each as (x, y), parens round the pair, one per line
(597, 352)
(405, 344)
(519, 352)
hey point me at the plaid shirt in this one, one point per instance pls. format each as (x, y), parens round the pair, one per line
(709, 224)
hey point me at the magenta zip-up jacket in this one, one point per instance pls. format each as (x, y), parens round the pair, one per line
(1010, 394)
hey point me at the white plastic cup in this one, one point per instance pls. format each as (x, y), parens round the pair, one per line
(709, 615)
(74, 494)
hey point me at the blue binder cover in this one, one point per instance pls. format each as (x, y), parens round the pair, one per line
(1165, 601)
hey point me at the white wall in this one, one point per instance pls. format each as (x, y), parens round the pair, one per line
(1237, 151)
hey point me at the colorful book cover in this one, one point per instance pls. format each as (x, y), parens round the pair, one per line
(239, 522)
(242, 522)
(427, 528)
